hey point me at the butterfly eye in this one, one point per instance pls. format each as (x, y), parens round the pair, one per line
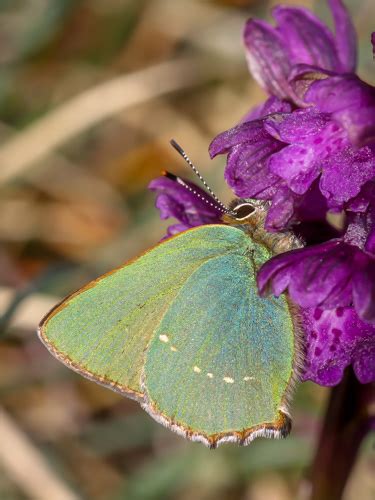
(243, 211)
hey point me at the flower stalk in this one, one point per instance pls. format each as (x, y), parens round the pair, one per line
(347, 421)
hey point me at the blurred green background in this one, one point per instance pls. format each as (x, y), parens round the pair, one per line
(91, 91)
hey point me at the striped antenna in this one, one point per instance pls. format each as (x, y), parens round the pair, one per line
(179, 149)
(194, 191)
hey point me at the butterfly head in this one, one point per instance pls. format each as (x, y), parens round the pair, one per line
(246, 212)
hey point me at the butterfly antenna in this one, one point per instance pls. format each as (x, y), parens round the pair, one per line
(179, 149)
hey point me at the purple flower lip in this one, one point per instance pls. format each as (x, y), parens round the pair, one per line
(318, 146)
(333, 274)
(336, 338)
(350, 102)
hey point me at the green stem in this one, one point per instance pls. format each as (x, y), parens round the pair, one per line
(346, 423)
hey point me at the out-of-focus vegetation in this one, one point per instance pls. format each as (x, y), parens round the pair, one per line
(81, 135)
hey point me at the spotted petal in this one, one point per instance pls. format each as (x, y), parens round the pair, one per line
(336, 338)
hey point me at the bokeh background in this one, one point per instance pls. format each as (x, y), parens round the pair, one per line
(91, 91)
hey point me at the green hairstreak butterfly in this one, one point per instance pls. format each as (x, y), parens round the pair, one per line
(182, 330)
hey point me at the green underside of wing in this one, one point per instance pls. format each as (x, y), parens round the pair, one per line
(104, 330)
(222, 357)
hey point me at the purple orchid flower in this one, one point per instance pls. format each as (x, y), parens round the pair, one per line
(318, 123)
(309, 149)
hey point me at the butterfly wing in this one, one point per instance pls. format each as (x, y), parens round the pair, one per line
(220, 363)
(182, 329)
